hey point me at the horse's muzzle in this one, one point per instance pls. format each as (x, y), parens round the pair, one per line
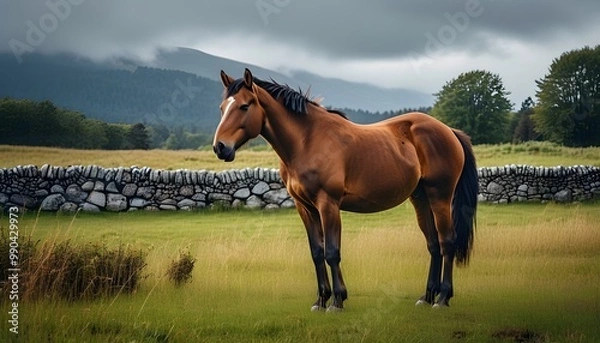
(224, 152)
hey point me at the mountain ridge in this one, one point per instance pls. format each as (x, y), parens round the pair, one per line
(129, 91)
(335, 91)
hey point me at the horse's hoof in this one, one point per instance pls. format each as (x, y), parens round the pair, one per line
(438, 306)
(334, 309)
(317, 308)
(422, 303)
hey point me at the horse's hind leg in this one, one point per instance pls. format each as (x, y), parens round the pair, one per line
(426, 221)
(440, 204)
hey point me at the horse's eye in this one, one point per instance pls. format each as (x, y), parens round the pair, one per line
(244, 107)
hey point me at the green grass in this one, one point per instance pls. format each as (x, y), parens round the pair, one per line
(535, 269)
(531, 153)
(536, 153)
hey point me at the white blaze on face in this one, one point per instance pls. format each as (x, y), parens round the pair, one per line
(230, 102)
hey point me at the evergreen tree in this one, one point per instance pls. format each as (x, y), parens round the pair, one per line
(138, 137)
(524, 130)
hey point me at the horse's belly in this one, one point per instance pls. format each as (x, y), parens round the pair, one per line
(373, 201)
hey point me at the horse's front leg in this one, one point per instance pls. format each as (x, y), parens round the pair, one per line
(331, 221)
(312, 222)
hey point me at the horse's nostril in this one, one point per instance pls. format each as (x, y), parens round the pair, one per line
(218, 147)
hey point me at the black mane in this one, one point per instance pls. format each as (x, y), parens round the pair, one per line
(294, 101)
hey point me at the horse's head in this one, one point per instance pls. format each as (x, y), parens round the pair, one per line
(242, 116)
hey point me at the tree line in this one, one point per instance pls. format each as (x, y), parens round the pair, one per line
(27, 122)
(567, 111)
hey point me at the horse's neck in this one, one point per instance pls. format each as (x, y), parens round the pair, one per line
(283, 130)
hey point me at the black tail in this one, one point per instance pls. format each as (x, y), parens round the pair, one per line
(464, 204)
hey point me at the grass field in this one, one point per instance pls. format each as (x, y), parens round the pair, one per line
(534, 275)
(534, 153)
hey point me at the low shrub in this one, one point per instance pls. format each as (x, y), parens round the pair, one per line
(69, 271)
(86, 271)
(180, 270)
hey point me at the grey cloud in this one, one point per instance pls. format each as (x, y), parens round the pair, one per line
(338, 29)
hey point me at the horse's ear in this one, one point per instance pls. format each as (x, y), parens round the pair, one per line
(248, 78)
(226, 79)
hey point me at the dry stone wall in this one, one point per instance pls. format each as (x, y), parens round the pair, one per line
(517, 183)
(93, 188)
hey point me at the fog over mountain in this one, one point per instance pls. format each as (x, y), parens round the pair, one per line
(416, 45)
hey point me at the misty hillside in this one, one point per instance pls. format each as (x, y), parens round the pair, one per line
(336, 92)
(121, 91)
(147, 95)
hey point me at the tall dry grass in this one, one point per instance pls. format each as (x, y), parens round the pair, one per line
(63, 270)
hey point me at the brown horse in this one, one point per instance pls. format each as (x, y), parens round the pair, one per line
(329, 163)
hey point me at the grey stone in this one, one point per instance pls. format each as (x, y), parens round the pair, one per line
(3, 198)
(168, 207)
(75, 194)
(112, 187)
(242, 193)
(22, 200)
(138, 202)
(187, 190)
(186, 203)
(178, 178)
(145, 192)
(116, 202)
(40, 193)
(129, 189)
(494, 188)
(237, 203)
(254, 202)
(289, 203)
(94, 172)
(98, 186)
(87, 207)
(101, 173)
(44, 171)
(271, 207)
(168, 202)
(563, 196)
(260, 188)
(88, 186)
(97, 198)
(110, 175)
(52, 202)
(219, 197)
(276, 196)
(68, 207)
(57, 189)
(199, 197)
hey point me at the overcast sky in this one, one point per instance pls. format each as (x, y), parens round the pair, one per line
(392, 43)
